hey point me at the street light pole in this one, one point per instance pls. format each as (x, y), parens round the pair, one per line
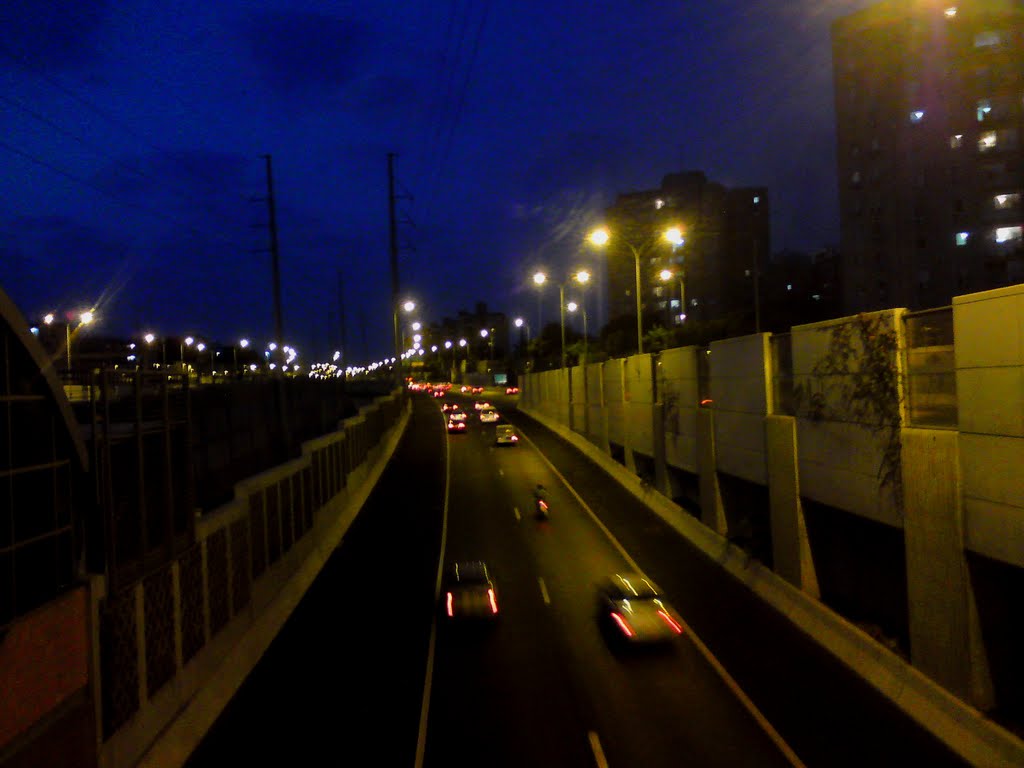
(561, 315)
(639, 316)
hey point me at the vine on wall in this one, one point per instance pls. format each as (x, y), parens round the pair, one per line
(857, 380)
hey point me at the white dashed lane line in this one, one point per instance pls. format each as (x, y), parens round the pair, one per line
(595, 746)
(544, 591)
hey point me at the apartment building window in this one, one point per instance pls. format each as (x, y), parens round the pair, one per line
(1005, 202)
(987, 39)
(987, 141)
(917, 116)
(961, 238)
(956, 141)
(984, 110)
(1012, 235)
(950, 12)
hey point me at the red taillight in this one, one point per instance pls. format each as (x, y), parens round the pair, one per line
(515, 439)
(671, 622)
(493, 599)
(461, 425)
(626, 629)
(450, 602)
(543, 505)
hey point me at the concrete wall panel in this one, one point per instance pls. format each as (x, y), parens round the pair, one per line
(994, 530)
(989, 328)
(992, 401)
(740, 445)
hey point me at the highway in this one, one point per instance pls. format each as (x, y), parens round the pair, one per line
(369, 671)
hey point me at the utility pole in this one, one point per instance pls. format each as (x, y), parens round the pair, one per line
(393, 237)
(341, 317)
(274, 255)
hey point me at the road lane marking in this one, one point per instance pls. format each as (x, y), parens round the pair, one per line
(421, 738)
(595, 746)
(715, 664)
(501, 472)
(544, 591)
(515, 511)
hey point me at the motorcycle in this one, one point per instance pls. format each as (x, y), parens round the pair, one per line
(542, 509)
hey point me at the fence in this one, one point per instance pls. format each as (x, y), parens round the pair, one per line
(150, 630)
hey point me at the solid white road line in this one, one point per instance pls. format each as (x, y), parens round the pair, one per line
(515, 511)
(421, 739)
(544, 591)
(595, 746)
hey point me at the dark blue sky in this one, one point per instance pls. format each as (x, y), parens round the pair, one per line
(131, 133)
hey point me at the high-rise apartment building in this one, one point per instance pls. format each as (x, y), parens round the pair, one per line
(929, 108)
(725, 232)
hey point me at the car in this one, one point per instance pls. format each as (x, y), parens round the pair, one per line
(464, 389)
(633, 612)
(438, 393)
(448, 407)
(457, 421)
(489, 415)
(505, 434)
(469, 592)
(511, 390)
(478, 390)
(481, 404)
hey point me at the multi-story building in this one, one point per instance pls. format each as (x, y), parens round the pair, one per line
(929, 102)
(726, 232)
(470, 326)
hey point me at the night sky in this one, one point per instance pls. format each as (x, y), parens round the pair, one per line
(132, 134)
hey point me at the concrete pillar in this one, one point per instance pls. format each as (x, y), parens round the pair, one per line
(603, 441)
(712, 511)
(791, 549)
(945, 631)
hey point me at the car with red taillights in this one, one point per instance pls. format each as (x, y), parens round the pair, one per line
(633, 612)
(469, 592)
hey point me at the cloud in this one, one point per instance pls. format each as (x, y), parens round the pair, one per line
(305, 55)
(52, 36)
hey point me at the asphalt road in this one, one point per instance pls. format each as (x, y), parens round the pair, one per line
(368, 671)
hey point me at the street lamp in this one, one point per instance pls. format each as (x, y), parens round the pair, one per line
(408, 305)
(666, 275)
(539, 278)
(572, 307)
(600, 237)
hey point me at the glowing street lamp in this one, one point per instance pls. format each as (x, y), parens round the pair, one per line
(601, 237)
(408, 305)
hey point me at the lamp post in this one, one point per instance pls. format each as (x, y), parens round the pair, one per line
(451, 371)
(600, 237)
(408, 306)
(243, 343)
(463, 343)
(200, 348)
(539, 278)
(520, 323)
(666, 275)
(188, 341)
(572, 306)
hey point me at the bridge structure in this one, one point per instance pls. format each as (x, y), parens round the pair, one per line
(156, 535)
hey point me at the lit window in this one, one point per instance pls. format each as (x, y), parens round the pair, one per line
(917, 116)
(987, 39)
(856, 177)
(757, 199)
(789, 286)
(1003, 202)
(816, 296)
(956, 141)
(987, 141)
(950, 12)
(961, 238)
(659, 204)
(1009, 234)
(984, 108)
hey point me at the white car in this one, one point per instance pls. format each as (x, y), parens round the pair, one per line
(489, 415)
